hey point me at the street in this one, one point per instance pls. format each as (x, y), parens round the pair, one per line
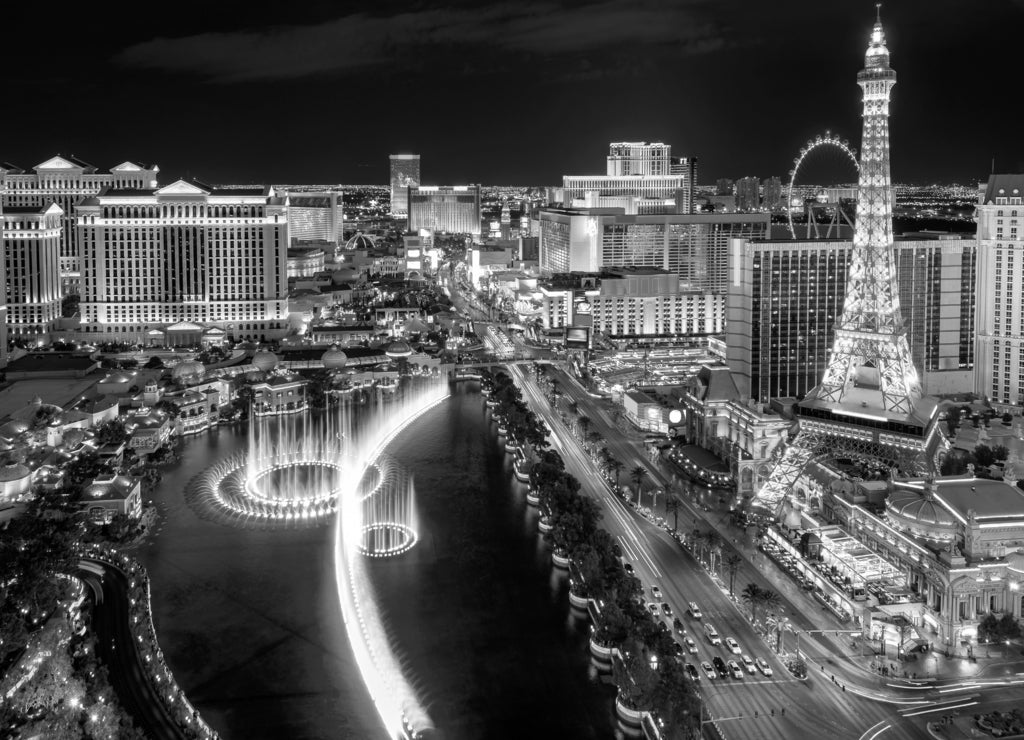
(118, 651)
(815, 707)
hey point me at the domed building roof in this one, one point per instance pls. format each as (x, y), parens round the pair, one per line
(398, 348)
(264, 360)
(918, 506)
(334, 358)
(188, 370)
(1015, 561)
(14, 428)
(360, 241)
(13, 471)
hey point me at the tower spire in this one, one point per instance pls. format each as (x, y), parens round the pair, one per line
(869, 405)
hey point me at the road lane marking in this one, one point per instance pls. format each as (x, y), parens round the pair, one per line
(939, 709)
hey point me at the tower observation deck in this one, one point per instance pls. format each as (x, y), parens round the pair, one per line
(869, 404)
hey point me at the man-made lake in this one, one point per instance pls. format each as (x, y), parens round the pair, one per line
(249, 620)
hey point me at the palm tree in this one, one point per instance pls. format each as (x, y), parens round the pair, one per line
(616, 465)
(769, 600)
(584, 423)
(595, 439)
(638, 474)
(714, 546)
(673, 504)
(751, 596)
(732, 564)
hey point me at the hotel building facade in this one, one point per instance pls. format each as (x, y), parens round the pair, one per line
(316, 216)
(66, 181)
(692, 246)
(1000, 291)
(785, 296)
(31, 241)
(452, 209)
(405, 173)
(183, 265)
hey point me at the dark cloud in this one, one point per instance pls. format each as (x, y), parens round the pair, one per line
(362, 41)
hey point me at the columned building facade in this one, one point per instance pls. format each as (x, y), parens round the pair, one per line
(66, 181)
(1000, 291)
(183, 264)
(31, 241)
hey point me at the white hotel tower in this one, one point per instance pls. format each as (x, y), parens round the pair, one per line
(66, 181)
(183, 265)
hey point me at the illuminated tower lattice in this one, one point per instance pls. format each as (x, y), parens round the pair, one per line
(869, 407)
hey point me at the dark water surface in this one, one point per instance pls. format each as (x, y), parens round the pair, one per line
(250, 625)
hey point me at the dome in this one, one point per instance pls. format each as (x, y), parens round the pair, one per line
(14, 428)
(334, 358)
(188, 370)
(360, 241)
(264, 360)
(919, 507)
(398, 349)
(13, 472)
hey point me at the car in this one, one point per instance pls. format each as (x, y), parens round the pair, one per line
(652, 608)
(690, 645)
(628, 567)
(748, 664)
(720, 666)
(709, 670)
(656, 592)
(712, 634)
(691, 671)
(734, 647)
(762, 665)
(666, 609)
(677, 624)
(677, 649)
(694, 610)
(734, 669)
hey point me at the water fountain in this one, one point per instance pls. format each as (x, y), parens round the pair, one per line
(333, 469)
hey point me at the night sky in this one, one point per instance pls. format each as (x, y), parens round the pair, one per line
(501, 92)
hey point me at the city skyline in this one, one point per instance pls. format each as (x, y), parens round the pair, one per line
(342, 91)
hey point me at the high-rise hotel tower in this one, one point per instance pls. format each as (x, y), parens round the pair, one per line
(405, 174)
(185, 264)
(999, 372)
(66, 181)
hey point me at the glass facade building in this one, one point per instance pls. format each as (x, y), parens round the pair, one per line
(405, 173)
(785, 296)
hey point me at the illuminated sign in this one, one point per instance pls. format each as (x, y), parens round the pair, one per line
(675, 416)
(577, 336)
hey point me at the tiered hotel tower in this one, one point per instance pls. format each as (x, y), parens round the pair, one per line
(869, 405)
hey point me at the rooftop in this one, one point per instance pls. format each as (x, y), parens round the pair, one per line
(1004, 186)
(988, 499)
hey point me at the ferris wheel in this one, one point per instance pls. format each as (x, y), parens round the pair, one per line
(824, 199)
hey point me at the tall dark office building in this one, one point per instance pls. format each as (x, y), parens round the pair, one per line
(785, 297)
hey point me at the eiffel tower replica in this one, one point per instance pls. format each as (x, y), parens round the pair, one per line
(869, 405)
